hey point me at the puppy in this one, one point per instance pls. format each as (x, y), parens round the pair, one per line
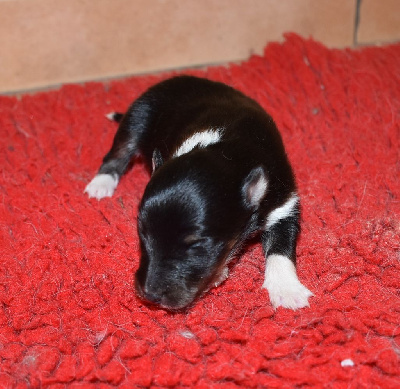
(220, 175)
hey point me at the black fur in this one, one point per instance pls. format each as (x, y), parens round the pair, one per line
(198, 208)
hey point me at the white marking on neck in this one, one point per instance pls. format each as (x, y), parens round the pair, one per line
(283, 286)
(287, 209)
(200, 139)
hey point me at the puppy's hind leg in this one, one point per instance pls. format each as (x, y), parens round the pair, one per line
(124, 147)
(115, 116)
(279, 243)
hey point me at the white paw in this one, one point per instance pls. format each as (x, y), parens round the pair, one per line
(294, 296)
(283, 286)
(102, 185)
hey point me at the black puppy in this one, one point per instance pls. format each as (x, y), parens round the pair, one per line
(220, 174)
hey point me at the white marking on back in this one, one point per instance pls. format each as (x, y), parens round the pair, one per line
(283, 286)
(200, 139)
(102, 185)
(282, 212)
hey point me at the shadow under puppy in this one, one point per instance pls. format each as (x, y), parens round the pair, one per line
(220, 175)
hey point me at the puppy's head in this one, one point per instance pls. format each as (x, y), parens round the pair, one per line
(179, 257)
(187, 227)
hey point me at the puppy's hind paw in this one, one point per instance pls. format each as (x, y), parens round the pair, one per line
(283, 286)
(115, 116)
(102, 185)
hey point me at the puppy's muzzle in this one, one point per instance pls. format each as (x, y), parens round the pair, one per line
(149, 296)
(172, 298)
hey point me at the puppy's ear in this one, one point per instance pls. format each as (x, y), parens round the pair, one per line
(254, 187)
(157, 160)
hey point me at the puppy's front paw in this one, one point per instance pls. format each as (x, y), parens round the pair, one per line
(283, 286)
(102, 185)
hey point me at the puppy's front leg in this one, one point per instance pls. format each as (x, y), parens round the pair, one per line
(279, 243)
(116, 161)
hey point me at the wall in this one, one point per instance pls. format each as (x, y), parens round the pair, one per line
(48, 42)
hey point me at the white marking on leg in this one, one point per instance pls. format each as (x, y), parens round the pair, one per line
(287, 209)
(200, 139)
(283, 286)
(102, 185)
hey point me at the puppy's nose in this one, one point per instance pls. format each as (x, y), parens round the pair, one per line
(147, 293)
(151, 296)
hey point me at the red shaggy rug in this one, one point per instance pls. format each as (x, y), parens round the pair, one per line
(69, 314)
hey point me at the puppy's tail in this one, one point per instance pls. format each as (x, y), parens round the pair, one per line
(115, 116)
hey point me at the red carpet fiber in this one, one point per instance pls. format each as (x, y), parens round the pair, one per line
(69, 315)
